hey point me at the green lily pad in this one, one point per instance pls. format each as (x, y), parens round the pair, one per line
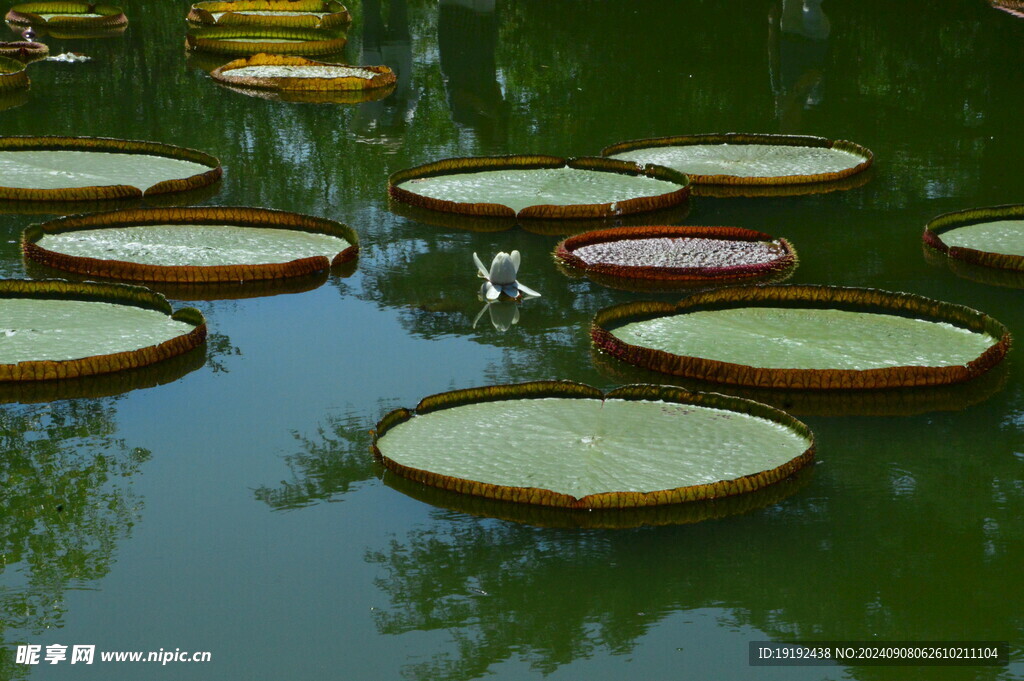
(193, 245)
(989, 237)
(249, 40)
(68, 15)
(53, 329)
(569, 445)
(93, 168)
(806, 337)
(323, 14)
(538, 186)
(748, 159)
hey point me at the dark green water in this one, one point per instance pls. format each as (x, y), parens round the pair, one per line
(237, 510)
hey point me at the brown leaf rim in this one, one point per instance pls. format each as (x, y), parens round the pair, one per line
(30, 13)
(109, 145)
(45, 370)
(335, 14)
(565, 252)
(188, 274)
(382, 76)
(604, 500)
(23, 51)
(456, 166)
(825, 297)
(314, 41)
(948, 222)
(744, 138)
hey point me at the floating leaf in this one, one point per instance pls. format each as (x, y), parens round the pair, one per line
(191, 245)
(805, 337)
(296, 74)
(68, 15)
(742, 159)
(251, 40)
(672, 256)
(57, 329)
(987, 237)
(570, 445)
(544, 187)
(98, 168)
(290, 13)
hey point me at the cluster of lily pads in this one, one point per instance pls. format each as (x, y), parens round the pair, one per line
(594, 451)
(273, 40)
(637, 446)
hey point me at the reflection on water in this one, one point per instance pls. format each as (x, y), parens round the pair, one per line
(799, 31)
(67, 503)
(326, 467)
(503, 314)
(889, 547)
(390, 44)
(467, 36)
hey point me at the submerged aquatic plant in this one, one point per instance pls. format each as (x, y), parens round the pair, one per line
(501, 278)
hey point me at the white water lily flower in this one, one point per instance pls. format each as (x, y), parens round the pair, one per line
(501, 278)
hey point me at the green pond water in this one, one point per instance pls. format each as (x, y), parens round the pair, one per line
(794, 338)
(518, 189)
(581, 447)
(201, 245)
(237, 510)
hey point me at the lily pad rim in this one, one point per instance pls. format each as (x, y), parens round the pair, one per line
(112, 16)
(241, 216)
(603, 500)
(473, 164)
(115, 146)
(383, 76)
(802, 296)
(118, 294)
(312, 41)
(948, 222)
(754, 139)
(337, 14)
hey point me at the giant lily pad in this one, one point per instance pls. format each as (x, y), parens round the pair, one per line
(544, 187)
(570, 445)
(191, 245)
(67, 15)
(97, 168)
(739, 159)
(249, 40)
(12, 75)
(988, 237)
(805, 337)
(292, 13)
(57, 329)
(673, 256)
(296, 74)
(24, 51)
